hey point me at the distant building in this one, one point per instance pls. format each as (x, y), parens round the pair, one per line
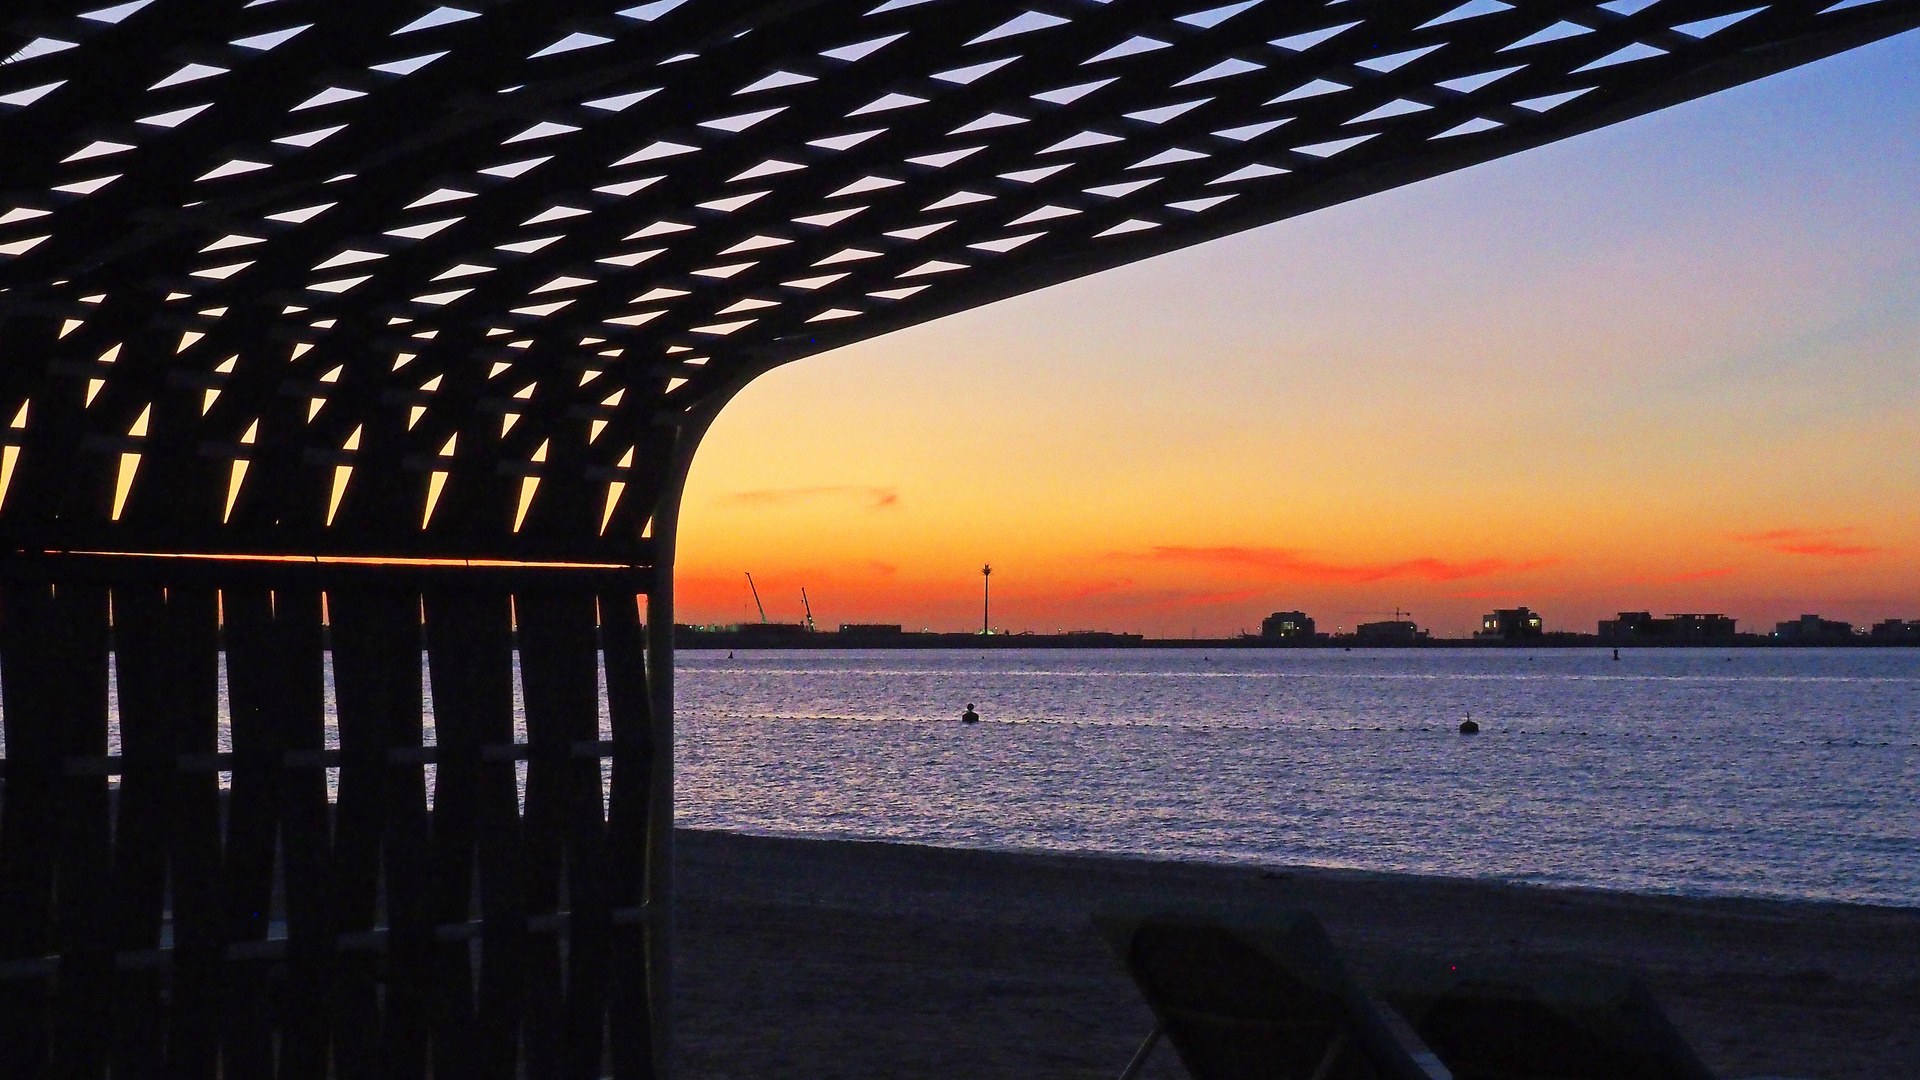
(1897, 630)
(1633, 625)
(861, 629)
(1812, 628)
(1641, 626)
(1701, 626)
(1511, 624)
(1395, 632)
(729, 635)
(770, 630)
(1287, 624)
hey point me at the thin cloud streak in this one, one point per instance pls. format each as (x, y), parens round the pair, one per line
(1819, 543)
(1294, 565)
(1696, 575)
(875, 498)
(1125, 595)
(1674, 579)
(1179, 601)
(1533, 595)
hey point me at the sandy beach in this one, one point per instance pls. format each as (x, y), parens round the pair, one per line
(803, 958)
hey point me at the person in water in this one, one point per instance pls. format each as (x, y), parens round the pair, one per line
(969, 717)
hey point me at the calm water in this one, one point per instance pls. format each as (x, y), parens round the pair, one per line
(1763, 772)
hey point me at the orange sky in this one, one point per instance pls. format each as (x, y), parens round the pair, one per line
(1673, 365)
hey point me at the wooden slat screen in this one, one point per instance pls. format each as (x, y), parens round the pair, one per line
(416, 893)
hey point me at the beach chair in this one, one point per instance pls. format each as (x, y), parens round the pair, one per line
(1259, 999)
(1508, 1021)
(1246, 998)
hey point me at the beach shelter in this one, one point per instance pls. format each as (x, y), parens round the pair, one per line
(352, 354)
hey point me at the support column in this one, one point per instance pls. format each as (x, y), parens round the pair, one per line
(659, 894)
(665, 536)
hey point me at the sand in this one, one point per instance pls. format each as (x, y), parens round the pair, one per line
(803, 958)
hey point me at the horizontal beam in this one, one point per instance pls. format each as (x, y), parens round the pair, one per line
(317, 571)
(353, 544)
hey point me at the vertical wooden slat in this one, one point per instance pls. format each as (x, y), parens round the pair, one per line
(359, 706)
(476, 829)
(659, 636)
(412, 884)
(380, 838)
(289, 662)
(141, 832)
(251, 834)
(26, 834)
(76, 657)
(624, 648)
(168, 656)
(543, 846)
(194, 851)
(253, 826)
(456, 805)
(253, 817)
(558, 670)
(53, 829)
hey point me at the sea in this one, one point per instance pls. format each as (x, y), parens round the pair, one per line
(1787, 773)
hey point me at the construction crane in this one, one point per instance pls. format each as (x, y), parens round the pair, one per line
(756, 599)
(808, 607)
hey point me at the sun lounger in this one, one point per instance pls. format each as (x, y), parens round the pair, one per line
(1502, 1021)
(1244, 997)
(1259, 999)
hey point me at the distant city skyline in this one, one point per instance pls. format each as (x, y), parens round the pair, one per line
(1696, 627)
(1669, 366)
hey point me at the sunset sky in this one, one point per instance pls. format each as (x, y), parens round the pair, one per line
(1673, 365)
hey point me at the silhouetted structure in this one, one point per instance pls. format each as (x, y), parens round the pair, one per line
(1897, 630)
(1812, 630)
(335, 331)
(1511, 624)
(1640, 627)
(1389, 632)
(1287, 626)
(782, 631)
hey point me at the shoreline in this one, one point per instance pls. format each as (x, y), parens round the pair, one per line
(882, 959)
(827, 640)
(1359, 875)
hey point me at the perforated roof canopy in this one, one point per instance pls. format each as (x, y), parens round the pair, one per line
(396, 278)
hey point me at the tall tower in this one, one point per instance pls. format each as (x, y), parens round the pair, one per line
(986, 596)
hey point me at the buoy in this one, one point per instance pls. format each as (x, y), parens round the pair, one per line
(1468, 727)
